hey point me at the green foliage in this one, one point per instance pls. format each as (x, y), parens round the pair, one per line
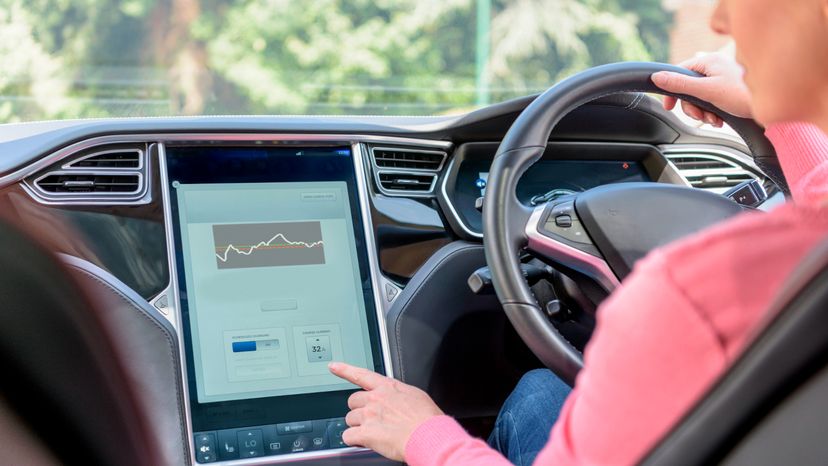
(86, 58)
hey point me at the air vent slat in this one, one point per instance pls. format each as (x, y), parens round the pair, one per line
(83, 183)
(699, 162)
(400, 158)
(112, 159)
(406, 182)
(717, 181)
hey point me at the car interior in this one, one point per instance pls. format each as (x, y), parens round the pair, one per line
(454, 253)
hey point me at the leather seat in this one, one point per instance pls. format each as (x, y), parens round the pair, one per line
(770, 407)
(65, 393)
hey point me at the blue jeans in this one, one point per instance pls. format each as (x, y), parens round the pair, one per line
(523, 425)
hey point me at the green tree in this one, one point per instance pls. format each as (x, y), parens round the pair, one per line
(82, 58)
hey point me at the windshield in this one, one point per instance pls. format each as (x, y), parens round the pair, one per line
(116, 58)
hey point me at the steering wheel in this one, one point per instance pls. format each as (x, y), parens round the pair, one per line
(600, 232)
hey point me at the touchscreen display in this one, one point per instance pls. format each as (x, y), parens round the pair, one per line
(273, 287)
(273, 284)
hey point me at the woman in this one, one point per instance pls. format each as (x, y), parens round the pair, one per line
(677, 322)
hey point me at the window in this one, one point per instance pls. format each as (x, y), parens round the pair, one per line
(103, 58)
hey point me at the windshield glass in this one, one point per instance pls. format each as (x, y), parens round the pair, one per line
(113, 58)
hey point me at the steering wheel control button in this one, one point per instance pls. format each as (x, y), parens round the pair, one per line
(563, 221)
(576, 233)
(334, 430)
(250, 443)
(564, 208)
(300, 427)
(205, 447)
(553, 308)
(228, 445)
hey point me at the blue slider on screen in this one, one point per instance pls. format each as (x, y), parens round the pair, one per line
(242, 346)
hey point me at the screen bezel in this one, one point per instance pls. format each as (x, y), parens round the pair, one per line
(271, 410)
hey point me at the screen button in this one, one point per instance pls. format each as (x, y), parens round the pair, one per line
(317, 442)
(300, 427)
(319, 348)
(228, 445)
(276, 447)
(205, 447)
(334, 430)
(250, 443)
(244, 346)
(300, 444)
(274, 444)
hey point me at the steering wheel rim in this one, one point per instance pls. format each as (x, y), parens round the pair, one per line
(506, 220)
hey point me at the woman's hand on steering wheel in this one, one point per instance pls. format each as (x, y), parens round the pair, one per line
(722, 85)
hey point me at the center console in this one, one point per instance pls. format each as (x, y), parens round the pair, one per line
(272, 273)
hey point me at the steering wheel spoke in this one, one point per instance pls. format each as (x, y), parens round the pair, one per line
(555, 233)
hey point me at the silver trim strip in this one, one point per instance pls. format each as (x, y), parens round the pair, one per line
(453, 210)
(61, 154)
(175, 313)
(588, 264)
(373, 258)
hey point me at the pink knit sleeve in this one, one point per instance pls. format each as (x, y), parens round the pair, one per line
(802, 149)
(651, 356)
(441, 441)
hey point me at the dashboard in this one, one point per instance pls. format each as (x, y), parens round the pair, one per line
(271, 246)
(564, 169)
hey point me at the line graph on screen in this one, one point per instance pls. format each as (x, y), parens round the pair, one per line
(275, 244)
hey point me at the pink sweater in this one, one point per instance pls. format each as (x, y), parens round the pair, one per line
(674, 326)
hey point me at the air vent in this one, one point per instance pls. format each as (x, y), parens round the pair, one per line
(699, 162)
(717, 181)
(711, 172)
(111, 159)
(406, 171)
(62, 182)
(407, 182)
(385, 157)
(103, 175)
